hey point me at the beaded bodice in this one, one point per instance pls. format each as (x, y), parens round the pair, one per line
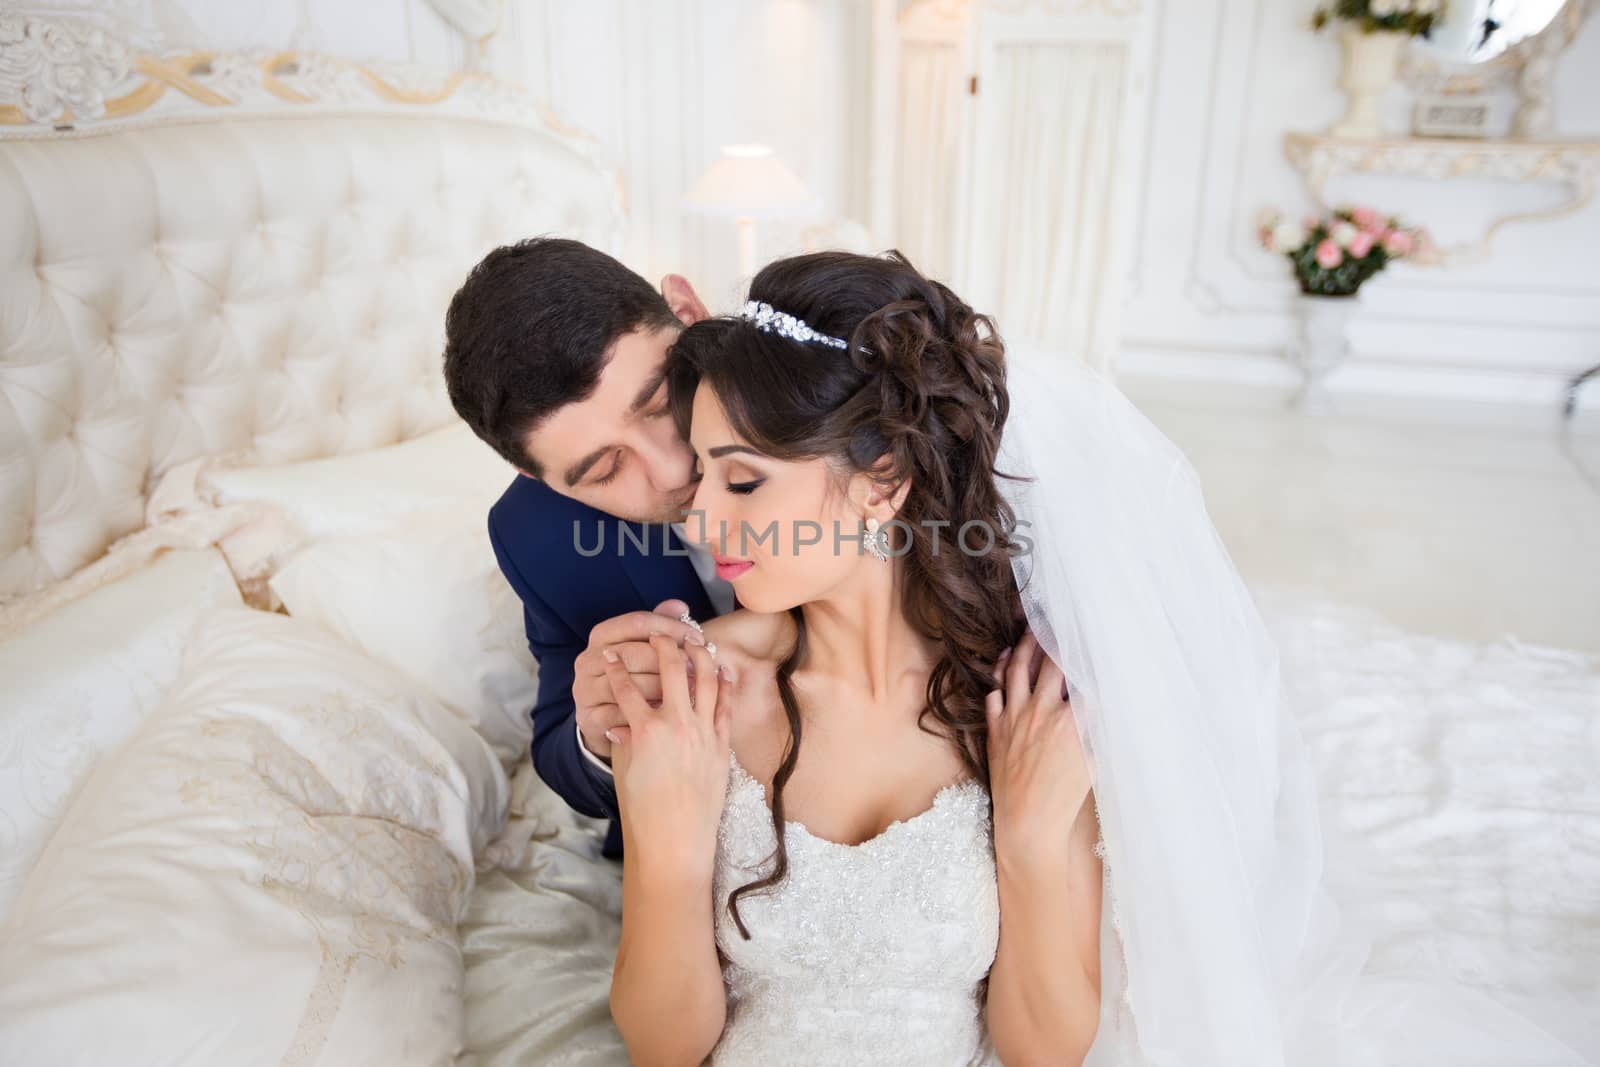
(866, 953)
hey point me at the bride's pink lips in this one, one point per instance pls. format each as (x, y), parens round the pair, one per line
(729, 568)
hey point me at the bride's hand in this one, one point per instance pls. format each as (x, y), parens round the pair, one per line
(671, 762)
(1039, 776)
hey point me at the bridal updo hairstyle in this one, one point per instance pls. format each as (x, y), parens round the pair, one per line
(919, 394)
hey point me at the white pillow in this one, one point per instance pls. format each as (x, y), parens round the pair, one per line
(78, 681)
(370, 492)
(390, 550)
(270, 871)
(430, 601)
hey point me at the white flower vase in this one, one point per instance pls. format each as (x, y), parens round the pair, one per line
(1370, 63)
(1321, 344)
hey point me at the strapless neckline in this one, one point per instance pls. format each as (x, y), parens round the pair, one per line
(747, 781)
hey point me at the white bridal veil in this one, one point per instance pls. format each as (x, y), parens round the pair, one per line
(1222, 944)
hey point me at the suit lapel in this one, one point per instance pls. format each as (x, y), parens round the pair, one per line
(658, 574)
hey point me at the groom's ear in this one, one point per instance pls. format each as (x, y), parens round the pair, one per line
(683, 300)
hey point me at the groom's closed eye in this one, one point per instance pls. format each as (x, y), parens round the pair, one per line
(579, 470)
(611, 473)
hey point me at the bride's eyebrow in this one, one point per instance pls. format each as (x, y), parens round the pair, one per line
(724, 450)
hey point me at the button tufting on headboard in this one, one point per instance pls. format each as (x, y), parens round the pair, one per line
(171, 290)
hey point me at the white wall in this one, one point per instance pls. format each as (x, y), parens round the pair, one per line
(665, 83)
(390, 30)
(1230, 77)
(662, 84)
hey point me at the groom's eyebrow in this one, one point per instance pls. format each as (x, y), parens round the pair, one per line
(580, 468)
(576, 472)
(651, 386)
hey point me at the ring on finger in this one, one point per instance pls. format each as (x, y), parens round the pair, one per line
(710, 646)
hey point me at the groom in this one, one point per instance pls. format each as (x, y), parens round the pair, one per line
(555, 355)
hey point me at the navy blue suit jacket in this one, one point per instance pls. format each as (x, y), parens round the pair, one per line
(546, 544)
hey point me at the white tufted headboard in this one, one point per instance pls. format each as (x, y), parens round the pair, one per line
(237, 252)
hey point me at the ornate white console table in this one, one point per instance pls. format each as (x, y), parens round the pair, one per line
(1573, 164)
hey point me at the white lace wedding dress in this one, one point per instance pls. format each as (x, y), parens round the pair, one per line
(866, 953)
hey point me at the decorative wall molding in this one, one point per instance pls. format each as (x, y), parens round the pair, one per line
(1229, 77)
(1226, 274)
(1217, 255)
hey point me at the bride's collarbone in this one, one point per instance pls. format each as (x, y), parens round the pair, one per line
(847, 786)
(842, 791)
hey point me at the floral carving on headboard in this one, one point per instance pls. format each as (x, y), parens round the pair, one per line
(57, 69)
(60, 73)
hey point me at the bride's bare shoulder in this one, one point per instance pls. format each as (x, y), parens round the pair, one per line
(755, 637)
(754, 645)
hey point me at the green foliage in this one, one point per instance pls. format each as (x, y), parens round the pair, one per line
(1355, 242)
(1407, 20)
(1342, 280)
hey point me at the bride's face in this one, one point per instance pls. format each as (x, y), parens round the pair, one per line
(783, 532)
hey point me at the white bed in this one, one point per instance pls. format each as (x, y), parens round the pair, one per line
(232, 836)
(228, 834)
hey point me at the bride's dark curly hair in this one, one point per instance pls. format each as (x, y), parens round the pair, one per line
(919, 395)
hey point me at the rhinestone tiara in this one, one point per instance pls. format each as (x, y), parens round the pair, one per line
(769, 319)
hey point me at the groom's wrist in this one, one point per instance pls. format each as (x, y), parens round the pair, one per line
(598, 761)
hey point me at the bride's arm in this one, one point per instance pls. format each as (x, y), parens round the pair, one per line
(1044, 987)
(671, 762)
(667, 996)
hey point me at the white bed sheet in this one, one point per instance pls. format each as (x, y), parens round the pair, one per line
(270, 870)
(1466, 778)
(539, 938)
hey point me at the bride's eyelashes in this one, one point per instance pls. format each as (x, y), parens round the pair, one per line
(737, 488)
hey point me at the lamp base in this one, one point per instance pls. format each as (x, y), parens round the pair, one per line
(747, 249)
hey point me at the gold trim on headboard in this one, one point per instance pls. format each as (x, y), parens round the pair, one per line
(401, 96)
(64, 73)
(177, 72)
(269, 79)
(174, 73)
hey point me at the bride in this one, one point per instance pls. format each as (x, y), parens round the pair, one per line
(990, 640)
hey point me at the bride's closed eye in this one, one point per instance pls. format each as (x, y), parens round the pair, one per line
(744, 488)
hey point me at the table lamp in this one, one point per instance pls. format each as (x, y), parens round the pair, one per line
(746, 183)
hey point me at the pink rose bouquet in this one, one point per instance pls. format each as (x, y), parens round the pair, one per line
(1334, 254)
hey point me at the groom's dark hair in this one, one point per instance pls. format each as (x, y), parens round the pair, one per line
(528, 332)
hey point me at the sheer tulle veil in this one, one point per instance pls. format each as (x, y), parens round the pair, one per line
(1228, 939)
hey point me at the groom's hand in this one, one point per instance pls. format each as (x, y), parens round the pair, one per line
(628, 636)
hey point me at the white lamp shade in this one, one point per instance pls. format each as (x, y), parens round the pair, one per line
(748, 181)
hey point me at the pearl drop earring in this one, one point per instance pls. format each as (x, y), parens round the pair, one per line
(877, 540)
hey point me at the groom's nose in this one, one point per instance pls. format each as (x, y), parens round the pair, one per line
(668, 460)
